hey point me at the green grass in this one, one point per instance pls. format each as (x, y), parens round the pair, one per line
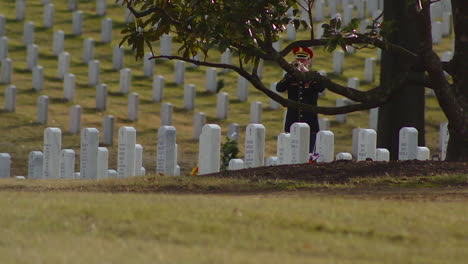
(20, 134)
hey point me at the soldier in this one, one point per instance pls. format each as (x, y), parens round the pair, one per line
(303, 92)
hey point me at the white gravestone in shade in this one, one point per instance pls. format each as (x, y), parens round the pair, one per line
(118, 58)
(42, 109)
(254, 145)
(319, 10)
(28, 33)
(226, 58)
(10, 98)
(7, 69)
(233, 132)
(101, 6)
(284, 148)
(88, 50)
(290, 32)
(355, 141)
(108, 127)
(242, 89)
(408, 143)
(446, 24)
(300, 138)
(166, 114)
(374, 118)
(35, 162)
(125, 80)
(139, 169)
(2, 25)
(189, 97)
(347, 14)
(59, 38)
(75, 119)
(102, 163)
(158, 88)
(436, 32)
(332, 8)
(166, 45)
(369, 70)
(211, 80)
(256, 112)
(67, 164)
(236, 164)
(3, 47)
(5, 165)
(338, 61)
(101, 97)
(148, 64)
(443, 139)
(20, 9)
(222, 104)
(126, 152)
(89, 153)
(72, 4)
(133, 105)
(52, 152)
(69, 87)
(367, 144)
(106, 30)
(344, 156)
(63, 65)
(179, 72)
(77, 24)
(423, 153)
(48, 19)
(93, 74)
(209, 149)
(324, 124)
(353, 83)
(166, 160)
(382, 154)
(199, 120)
(274, 104)
(33, 55)
(324, 146)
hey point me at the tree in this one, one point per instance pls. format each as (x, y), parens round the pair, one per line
(251, 27)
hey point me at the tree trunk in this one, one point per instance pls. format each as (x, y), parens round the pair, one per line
(406, 108)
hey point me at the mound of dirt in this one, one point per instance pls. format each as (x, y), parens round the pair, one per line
(343, 171)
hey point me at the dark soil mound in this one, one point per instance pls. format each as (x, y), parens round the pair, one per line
(343, 171)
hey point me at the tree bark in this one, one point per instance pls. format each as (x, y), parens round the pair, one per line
(406, 108)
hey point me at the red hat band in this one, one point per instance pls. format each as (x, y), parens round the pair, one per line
(303, 53)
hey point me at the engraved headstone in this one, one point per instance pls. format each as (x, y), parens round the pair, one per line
(108, 128)
(242, 89)
(101, 97)
(222, 104)
(126, 152)
(75, 119)
(48, 19)
(42, 109)
(367, 142)
(338, 61)
(436, 32)
(446, 24)
(443, 139)
(209, 150)
(369, 70)
(102, 163)
(284, 148)
(324, 124)
(52, 152)
(3, 47)
(35, 162)
(373, 118)
(179, 72)
(254, 145)
(139, 169)
(166, 160)
(88, 50)
(28, 33)
(344, 156)
(324, 146)
(423, 153)
(408, 143)
(93, 73)
(166, 114)
(382, 154)
(33, 55)
(101, 6)
(166, 45)
(319, 10)
(256, 112)
(72, 4)
(300, 137)
(233, 132)
(67, 164)
(226, 58)
(274, 104)
(236, 164)
(20, 9)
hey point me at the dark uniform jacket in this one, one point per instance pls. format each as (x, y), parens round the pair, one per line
(303, 92)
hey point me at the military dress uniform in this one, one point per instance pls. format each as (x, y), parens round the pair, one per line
(306, 93)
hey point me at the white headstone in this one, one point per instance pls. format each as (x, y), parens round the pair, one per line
(35, 163)
(166, 45)
(101, 97)
(189, 97)
(290, 32)
(443, 139)
(374, 118)
(436, 32)
(77, 27)
(72, 4)
(118, 58)
(10, 98)
(48, 20)
(158, 88)
(355, 141)
(236, 164)
(369, 70)
(67, 164)
(59, 38)
(332, 7)
(133, 105)
(199, 120)
(319, 10)
(222, 104)
(382, 154)
(126, 153)
(273, 104)
(233, 132)
(148, 64)
(7, 69)
(20, 9)
(2, 26)
(166, 158)
(75, 119)
(423, 153)
(3, 47)
(256, 112)
(129, 17)
(102, 163)
(324, 146)
(179, 72)
(106, 30)
(372, 5)
(166, 114)
(63, 65)
(324, 124)
(361, 10)
(353, 83)
(300, 139)
(108, 128)
(89, 153)
(277, 45)
(254, 145)
(5, 165)
(367, 144)
(211, 80)
(209, 150)
(33, 55)
(242, 89)
(88, 50)
(139, 169)
(101, 6)
(446, 24)
(125, 80)
(52, 153)
(42, 109)
(347, 14)
(338, 61)
(69, 87)
(284, 148)
(408, 143)
(226, 58)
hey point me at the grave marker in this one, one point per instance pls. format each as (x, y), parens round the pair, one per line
(101, 6)
(101, 97)
(209, 149)
(166, 157)
(211, 76)
(48, 19)
(290, 32)
(408, 143)
(126, 152)
(446, 24)
(89, 153)
(67, 164)
(338, 61)
(88, 50)
(236, 164)
(166, 45)
(233, 132)
(102, 163)
(63, 65)
(52, 153)
(7, 69)
(367, 142)
(324, 146)
(28, 33)
(33, 55)
(3, 47)
(148, 64)
(344, 156)
(20, 9)
(35, 162)
(189, 97)
(106, 30)
(222, 104)
(93, 74)
(133, 105)
(369, 70)
(199, 120)
(382, 154)
(158, 88)
(254, 145)
(179, 72)
(284, 148)
(2, 26)
(77, 23)
(423, 153)
(443, 139)
(300, 137)
(108, 127)
(436, 32)
(59, 38)
(226, 58)
(166, 114)
(319, 10)
(75, 119)
(374, 118)
(42, 109)
(69, 87)
(125, 80)
(10, 98)
(324, 124)
(271, 161)
(242, 89)
(256, 112)
(332, 7)
(72, 4)
(139, 169)
(118, 58)
(5, 165)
